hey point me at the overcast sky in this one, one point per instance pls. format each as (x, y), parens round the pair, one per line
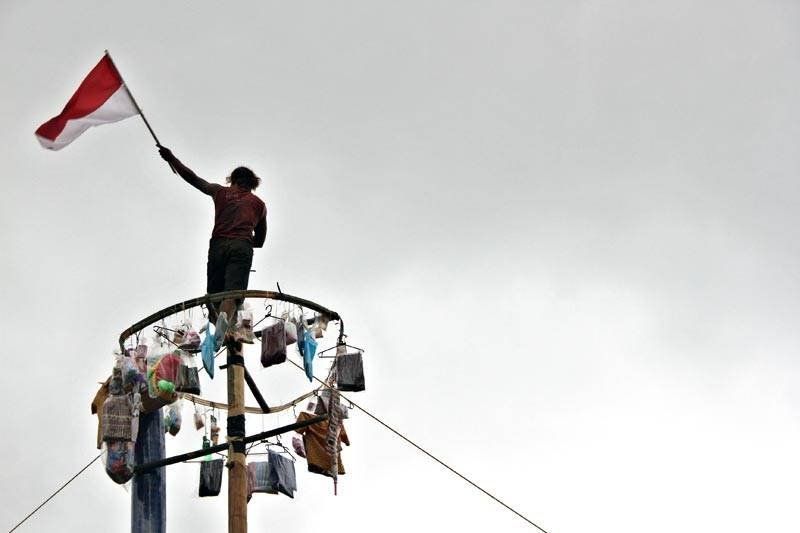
(564, 231)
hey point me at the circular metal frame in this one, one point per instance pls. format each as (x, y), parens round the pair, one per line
(210, 299)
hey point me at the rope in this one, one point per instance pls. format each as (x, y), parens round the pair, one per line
(375, 418)
(70, 480)
(426, 452)
(252, 410)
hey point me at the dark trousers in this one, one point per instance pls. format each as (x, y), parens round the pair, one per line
(229, 262)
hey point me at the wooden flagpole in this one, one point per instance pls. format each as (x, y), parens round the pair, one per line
(136, 105)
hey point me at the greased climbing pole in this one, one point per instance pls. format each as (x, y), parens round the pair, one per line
(237, 462)
(237, 439)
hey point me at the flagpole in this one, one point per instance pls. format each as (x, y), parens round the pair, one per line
(136, 105)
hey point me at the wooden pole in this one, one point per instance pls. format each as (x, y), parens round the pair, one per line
(237, 461)
(136, 105)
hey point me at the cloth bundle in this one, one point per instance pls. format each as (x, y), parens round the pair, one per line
(281, 474)
(210, 477)
(315, 444)
(258, 478)
(350, 372)
(273, 344)
(321, 406)
(277, 475)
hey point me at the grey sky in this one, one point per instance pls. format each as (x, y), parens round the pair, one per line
(564, 232)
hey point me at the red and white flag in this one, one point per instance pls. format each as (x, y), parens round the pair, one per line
(101, 99)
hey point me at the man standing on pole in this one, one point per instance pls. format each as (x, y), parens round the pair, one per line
(240, 224)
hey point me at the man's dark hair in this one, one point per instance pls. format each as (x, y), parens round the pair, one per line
(244, 177)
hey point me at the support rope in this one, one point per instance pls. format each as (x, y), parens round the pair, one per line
(429, 454)
(70, 480)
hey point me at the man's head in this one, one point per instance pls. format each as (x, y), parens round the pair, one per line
(245, 178)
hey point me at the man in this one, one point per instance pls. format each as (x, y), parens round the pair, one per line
(240, 224)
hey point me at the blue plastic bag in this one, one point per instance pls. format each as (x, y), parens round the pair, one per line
(208, 351)
(308, 348)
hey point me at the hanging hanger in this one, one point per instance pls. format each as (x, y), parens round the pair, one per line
(334, 347)
(160, 332)
(283, 448)
(268, 309)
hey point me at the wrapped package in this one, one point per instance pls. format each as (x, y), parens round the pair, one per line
(116, 422)
(244, 327)
(120, 461)
(162, 372)
(172, 419)
(139, 356)
(298, 446)
(273, 344)
(190, 341)
(129, 371)
(178, 335)
(187, 379)
(214, 431)
(199, 423)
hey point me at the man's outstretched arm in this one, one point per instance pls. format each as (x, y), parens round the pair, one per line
(187, 173)
(260, 233)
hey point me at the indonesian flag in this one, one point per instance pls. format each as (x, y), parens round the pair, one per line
(101, 99)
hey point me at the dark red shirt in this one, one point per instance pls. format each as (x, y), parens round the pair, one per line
(237, 211)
